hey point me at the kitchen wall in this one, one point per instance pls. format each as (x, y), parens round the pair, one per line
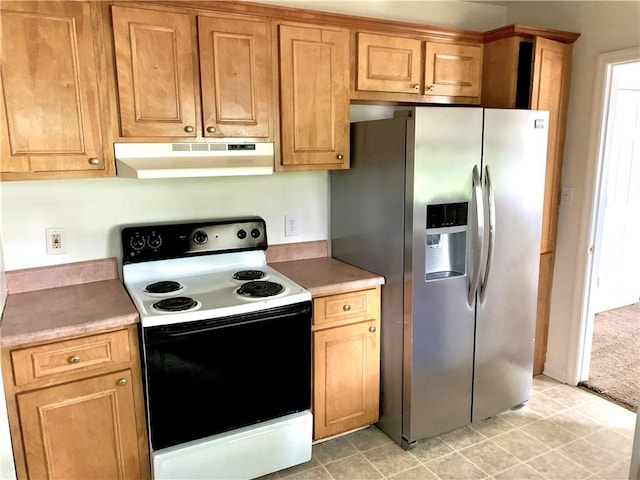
(7, 469)
(605, 26)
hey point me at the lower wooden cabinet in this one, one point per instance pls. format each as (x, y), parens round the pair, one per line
(346, 361)
(86, 420)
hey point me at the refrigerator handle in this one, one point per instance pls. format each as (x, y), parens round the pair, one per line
(491, 202)
(476, 193)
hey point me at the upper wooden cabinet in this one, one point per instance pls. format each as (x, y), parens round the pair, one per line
(157, 83)
(452, 70)
(314, 99)
(389, 64)
(423, 71)
(50, 101)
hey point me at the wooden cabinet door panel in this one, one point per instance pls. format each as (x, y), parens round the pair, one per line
(235, 72)
(550, 91)
(346, 384)
(49, 88)
(388, 64)
(314, 104)
(452, 70)
(84, 429)
(154, 59)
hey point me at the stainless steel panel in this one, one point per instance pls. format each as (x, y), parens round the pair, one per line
(515, 153)
(367, 226)
(440, 323)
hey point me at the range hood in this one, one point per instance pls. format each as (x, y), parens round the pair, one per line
(175, 160)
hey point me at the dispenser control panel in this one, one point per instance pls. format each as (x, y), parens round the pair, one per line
(447, 215)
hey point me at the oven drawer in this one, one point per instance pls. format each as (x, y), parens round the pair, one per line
(346, 307)
(80, 354)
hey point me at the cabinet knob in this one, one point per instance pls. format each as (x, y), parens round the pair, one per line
(74, 359)
(94, 161)
(122, 382)
(372, 329)
(188, 129)
(211, 129)
(416, 86)
(431, 88)
(346, 307)
(339, 156)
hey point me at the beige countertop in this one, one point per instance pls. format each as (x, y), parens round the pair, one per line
(326, 276)
(69, 309)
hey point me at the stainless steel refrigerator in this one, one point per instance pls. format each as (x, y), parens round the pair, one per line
(445, 203)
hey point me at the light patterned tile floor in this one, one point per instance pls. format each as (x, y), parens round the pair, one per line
(563, 433)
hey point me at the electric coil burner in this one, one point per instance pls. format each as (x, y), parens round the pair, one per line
(260, 289)
(226, 347)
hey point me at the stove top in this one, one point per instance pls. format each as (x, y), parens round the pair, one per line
(187, 272)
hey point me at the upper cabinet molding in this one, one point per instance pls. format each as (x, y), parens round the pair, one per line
(524, 31)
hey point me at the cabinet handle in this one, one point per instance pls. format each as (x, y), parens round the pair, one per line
(188, 129)
(94, 161)
(431, 88)
(372, 329)
(211, 129)
(346, 307)
(416, 86)
(74, 359)
(122, 382)
(339, 156)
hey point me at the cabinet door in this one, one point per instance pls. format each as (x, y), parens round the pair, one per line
(235, 69)
(346, 378)
(154, 60)
(452, 70)
(314, 102)
(83, 429)
(388, 64)
(51, 119)
(550, 91)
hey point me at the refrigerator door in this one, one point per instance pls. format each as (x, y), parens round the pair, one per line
(514, 154)
(367, 228)
(439, 322)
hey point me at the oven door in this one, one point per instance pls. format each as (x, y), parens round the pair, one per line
(212, 376)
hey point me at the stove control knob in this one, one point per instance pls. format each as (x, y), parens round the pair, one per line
(200, 237)
(155, 241)
(242, 234)
(137, 242)
(255, 233)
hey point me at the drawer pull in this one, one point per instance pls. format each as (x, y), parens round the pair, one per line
(346, 307)
(122, 382)
(372, 329)
(74, 359)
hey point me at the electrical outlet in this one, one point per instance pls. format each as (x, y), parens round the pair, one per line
(290, 225)
(56, 241)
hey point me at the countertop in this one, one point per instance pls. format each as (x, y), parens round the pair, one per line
(326, 275)
(50, 303)
(97, 303)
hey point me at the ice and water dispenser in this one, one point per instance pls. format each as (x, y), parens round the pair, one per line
(446, 246)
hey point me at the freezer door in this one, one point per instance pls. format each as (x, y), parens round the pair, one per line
(439, 322)
(514, 152)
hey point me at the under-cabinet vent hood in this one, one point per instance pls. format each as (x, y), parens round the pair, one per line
(175, 160)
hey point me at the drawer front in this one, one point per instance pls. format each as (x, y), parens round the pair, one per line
(44, 361)
(346, 307)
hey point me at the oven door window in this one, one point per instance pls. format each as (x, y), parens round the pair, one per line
(213, 376)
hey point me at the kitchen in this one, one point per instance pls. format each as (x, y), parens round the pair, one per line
(92, 210)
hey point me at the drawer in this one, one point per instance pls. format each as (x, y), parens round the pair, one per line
(80, 354)
(346, 307)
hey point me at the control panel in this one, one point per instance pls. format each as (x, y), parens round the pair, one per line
(175, 240)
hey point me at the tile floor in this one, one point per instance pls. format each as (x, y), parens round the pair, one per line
(563, 433)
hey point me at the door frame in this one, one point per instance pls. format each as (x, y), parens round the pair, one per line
(593, 217)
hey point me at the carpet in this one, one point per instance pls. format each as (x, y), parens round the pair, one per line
(615, 356)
